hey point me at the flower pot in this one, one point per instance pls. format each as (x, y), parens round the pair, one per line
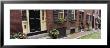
(54, 34)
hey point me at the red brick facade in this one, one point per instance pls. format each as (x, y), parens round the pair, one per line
(49, 19)
(15, 21)
(81, 19)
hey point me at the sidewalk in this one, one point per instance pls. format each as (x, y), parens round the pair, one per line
(78, 35)
(70, 36)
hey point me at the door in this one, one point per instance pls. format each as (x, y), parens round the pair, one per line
(34, 20)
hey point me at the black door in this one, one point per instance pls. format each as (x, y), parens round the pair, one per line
(34, 20)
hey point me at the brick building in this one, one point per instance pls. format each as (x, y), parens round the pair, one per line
(42, 21)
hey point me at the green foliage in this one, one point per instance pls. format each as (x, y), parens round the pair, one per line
(18, 35)
(95, 35)
(54, 33)
(60, 20)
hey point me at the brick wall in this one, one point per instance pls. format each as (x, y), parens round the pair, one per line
(15, 21)
(49, 19)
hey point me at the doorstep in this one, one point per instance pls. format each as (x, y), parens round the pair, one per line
(38, 36)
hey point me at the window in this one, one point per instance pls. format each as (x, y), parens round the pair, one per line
(71, 14)
(75, 13)
(58, 14)
(42, 14)
(65, 14)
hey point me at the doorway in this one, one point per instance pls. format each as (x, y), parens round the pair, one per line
(34, 20)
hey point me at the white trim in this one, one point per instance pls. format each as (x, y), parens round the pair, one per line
(27, 14)
(74, 15)
(43, 22)
(81, 10)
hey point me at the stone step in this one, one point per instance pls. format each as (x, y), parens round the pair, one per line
(47, 37)
(38, 36)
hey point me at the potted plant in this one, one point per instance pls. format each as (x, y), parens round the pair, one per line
(18, 35)
(54, 33)
(60, 20)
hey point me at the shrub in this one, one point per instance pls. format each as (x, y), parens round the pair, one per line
(18, 35)
(54, 33)
(60, 20)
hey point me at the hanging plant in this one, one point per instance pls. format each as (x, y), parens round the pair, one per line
(54, 33)
(60, 20)
(18, 35)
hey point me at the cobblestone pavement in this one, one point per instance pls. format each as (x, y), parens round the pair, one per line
(70, 36)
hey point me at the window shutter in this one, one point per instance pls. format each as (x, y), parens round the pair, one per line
(55, 15)
(65, 14)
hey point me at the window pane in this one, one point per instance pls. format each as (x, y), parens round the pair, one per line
(65, 14)
(42, 14)
(60, 14)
